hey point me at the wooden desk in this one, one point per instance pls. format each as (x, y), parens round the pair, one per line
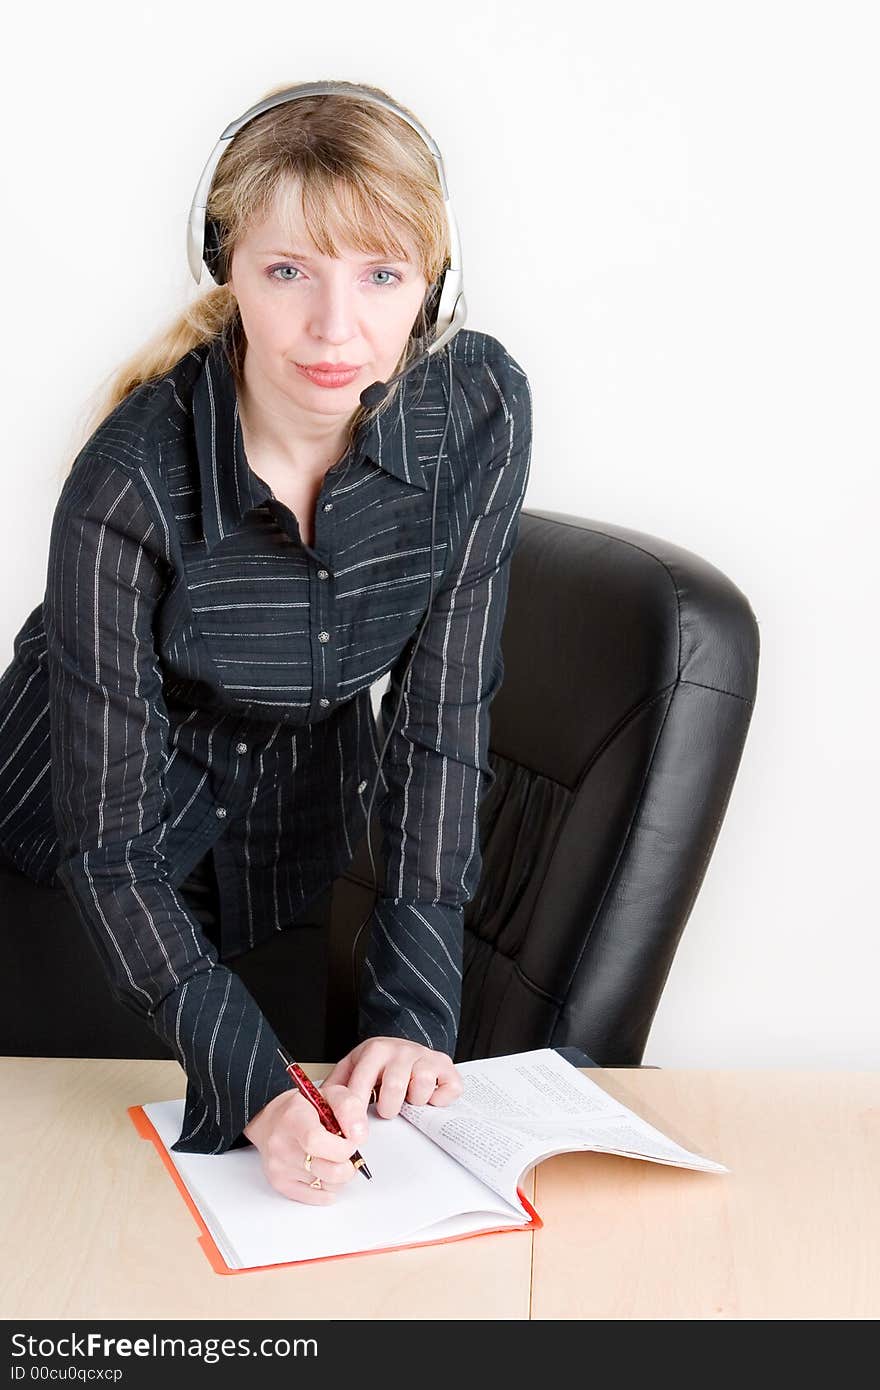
(793, 1231)
(93, 1226)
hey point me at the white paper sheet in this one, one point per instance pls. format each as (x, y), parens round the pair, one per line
(413, 1186)
(519, 1109)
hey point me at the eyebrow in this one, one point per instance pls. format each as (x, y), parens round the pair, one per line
(301, 256)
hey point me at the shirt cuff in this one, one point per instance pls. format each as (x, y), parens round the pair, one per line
(228, 1051)
(411, 980)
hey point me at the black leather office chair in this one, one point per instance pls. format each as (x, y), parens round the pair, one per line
(630, 677)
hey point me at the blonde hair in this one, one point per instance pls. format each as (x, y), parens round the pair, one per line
(365, 177)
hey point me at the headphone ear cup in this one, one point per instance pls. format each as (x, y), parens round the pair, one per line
(213, 254)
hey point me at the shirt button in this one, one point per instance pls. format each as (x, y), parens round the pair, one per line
(362, 786)
(328, 506)
(241, 748)
(323, 574)
(323, 636)
(323, 702)
(220, 812)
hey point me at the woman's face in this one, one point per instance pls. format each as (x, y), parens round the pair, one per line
(305, 309)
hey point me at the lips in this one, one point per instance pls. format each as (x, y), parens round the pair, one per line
(336, 376)
(330, 366)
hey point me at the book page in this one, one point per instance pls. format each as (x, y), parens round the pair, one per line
(519, 1109)
(414, 1187)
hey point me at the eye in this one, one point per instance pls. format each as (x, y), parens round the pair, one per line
(274, 274)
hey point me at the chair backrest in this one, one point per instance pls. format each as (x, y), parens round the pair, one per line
(630, 672)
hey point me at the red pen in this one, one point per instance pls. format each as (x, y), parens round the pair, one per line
(327, 1118)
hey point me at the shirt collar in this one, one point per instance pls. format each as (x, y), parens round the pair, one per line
(230, 488)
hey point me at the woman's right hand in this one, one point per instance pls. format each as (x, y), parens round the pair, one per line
(288, 1128)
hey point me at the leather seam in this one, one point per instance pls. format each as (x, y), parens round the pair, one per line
(512, 961)
(701, 685)
(623, 850)
(536, 989)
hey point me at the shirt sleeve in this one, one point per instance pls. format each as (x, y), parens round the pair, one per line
(438, 758)
(107, 571)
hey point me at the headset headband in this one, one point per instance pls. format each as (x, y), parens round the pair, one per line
(451, 310)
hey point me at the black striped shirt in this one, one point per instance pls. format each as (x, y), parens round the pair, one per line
(198, 679)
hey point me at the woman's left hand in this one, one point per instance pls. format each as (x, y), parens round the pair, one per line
(399, 1070)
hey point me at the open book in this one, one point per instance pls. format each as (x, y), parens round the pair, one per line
(438, 1172)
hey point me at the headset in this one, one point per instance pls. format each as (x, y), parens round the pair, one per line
(446, 311)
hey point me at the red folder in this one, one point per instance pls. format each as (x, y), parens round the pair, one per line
(146, 1130)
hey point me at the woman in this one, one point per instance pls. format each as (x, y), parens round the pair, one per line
(240, 551)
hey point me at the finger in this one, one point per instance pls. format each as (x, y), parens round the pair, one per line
(423, 1083)
(331, 1174)
(364, 1078)
(395, 1082)
(349, 1109)
(313, 1196)
(449, 1087)
(368, 1068)
(285, 1163)
(340, 1073)
(320, 1143)
(301, 1131)
(296, 1189)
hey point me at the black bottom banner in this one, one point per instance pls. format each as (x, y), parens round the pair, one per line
(274, 1353)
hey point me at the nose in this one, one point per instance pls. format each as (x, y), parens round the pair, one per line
(333, 310)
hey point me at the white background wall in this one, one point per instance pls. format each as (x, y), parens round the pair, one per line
(680, 201)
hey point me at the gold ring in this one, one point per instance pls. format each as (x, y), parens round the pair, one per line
(316, 1183)
(307, 1163)
(374, 1098)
